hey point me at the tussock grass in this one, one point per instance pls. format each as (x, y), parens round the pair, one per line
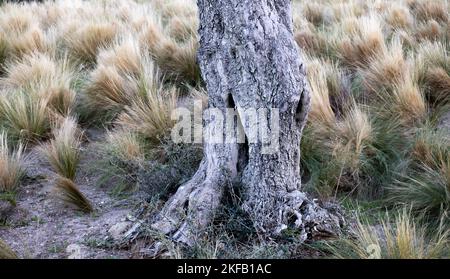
(24, 117)
(85, 42)
(63, 150)
(363, 39)
(32, 40)
(126, 145)
(50, 79)
(321, 110)
(150, 115)
(11, 160)
(426, 184)
(399, 16)
(115, 83)
(68, 192)
(385, 69)
(426, 10)
(178, 60)
(401, 238)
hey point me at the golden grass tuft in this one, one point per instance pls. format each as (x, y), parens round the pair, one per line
(150, 115)
(439, 82)
(436, 10)
(385, 69)
(24, 116)
(177, 60)
(125, 55)
(430, 148)
(68, 192)
(63, 150)
(46, 77)
(321, 110)
(408, 102)
(430, 30)
(399, 16)
(311, 42)
(30, 69)
(314, 13)
(361, 42)
(11, 170)
(14, 20)
(355, 133)
(181, 28)
(33, 40)
(115, 83)
(108, 89)
(401, 238)
(85, 42)
(126, 145)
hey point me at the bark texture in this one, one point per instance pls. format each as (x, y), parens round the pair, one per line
(249, 59)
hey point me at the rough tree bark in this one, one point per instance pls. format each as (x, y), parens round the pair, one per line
(249, 59)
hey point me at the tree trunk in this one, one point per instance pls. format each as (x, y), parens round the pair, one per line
(249, 59)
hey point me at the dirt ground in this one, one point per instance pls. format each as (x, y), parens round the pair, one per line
(41, 226)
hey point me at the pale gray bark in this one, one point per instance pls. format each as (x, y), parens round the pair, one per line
(248, 58)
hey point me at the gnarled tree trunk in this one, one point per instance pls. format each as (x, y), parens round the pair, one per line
(249, 59)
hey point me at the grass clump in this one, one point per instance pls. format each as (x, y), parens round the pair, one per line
(85, 42)
(47, 77)
(68, 192)
(425, 185)
(401, 238)
(11, 170)
(25, 117)
(63, 150)
(150, 115)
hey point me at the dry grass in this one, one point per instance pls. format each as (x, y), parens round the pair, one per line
(408, 103)
(178, 60)
(426, 185)
(85, 42)
(69, 193)
(362, 40)
(401, 238)
(399, 16)
(63, 150)
(321, 110)
(115, 83)
(355, 132)
(150, 115)
(385, 69)
(47, 77)
(427, 10)
(11, 170)
(126, 145)
(24, 116)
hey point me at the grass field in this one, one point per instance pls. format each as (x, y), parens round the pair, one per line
(377, 139)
